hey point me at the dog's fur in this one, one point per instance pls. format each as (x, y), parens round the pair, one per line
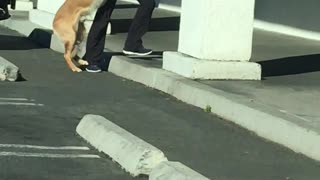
(68, 25)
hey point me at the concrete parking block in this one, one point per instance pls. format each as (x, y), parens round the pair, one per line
(8, 71)
(174, 171)
(133, 154)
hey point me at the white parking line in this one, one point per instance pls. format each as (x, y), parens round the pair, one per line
(15, 99)
(48, 155)
(20, 104)
(43, 147)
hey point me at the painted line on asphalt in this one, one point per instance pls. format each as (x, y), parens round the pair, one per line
(20, 104)
(296, 116)
(48, 155)
(43, 147)
(15, 99)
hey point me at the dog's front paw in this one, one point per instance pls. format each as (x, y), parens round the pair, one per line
(83, 62)
(76, 70)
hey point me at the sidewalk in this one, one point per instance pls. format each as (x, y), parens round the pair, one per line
(281, 108)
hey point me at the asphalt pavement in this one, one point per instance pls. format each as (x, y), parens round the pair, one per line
(53, 100)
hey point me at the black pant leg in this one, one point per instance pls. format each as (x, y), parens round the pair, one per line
(3, 3)
(97, 34)
(140, 24)
(4, 6)
(13, 4)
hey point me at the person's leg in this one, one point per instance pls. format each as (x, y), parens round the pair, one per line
(4, 12)
(139, 26)
(97, 34)
(13, 4)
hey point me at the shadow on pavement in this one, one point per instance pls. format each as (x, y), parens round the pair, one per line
(156, 24)
(20, 78)
(126, 6)
(17, 43)
(41, 36)
(291, 65)
(107, 59)
(155, 56)
(38, 39)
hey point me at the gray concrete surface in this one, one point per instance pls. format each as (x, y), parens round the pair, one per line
(203, 142)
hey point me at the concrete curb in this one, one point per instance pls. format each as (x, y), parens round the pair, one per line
(265, 121)
(133, 154)
(8, 71)
(174, 171)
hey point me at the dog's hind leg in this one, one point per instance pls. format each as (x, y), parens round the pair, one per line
(81, 43)
(69, 44)
(77, 43)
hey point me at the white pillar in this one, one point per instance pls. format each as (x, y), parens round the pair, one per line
(215, 41)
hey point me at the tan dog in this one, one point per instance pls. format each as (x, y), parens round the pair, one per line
(68, 25)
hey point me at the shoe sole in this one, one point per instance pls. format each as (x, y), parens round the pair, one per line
(135, 53)
(92, 71)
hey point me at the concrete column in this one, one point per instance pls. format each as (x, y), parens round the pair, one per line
(215, 41)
